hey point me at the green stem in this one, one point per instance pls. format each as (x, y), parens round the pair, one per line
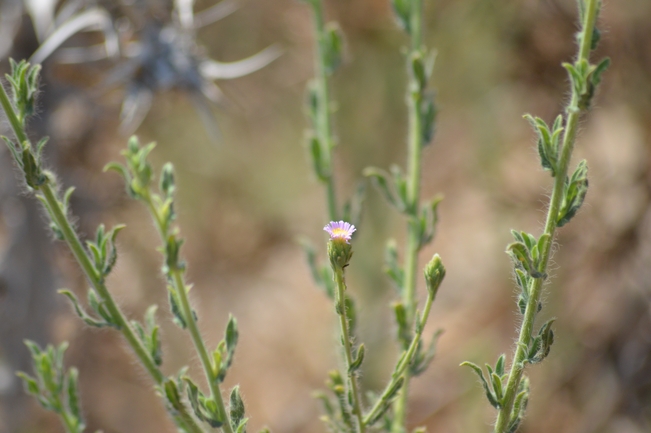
(16, 124)
(201, 349)
(59, 217)
(415, 148)
(345, 335)
(569, 138)
(182, 290)
(68, 421)
(405, 361)
(71, 238)
(323, 122)
(69, 424)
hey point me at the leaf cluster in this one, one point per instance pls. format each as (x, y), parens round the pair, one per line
(55, 388)
(23, 80)
(494, 384)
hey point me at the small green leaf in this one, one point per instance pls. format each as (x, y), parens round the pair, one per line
(428, 221)
(167, 183)
(351, 314)
(522, 280)
(578, 82)
(380, 179)
(122, 170)
(599, 70)
(315, 153)
(313, 102)
(231, 337)
(522, 259)
(404, 331)
(98, 259)
(175, 306)
(428, 114)
(497, 386)
(171, 392)
(547, 143)
(499, 366)
(400, 186)
(541, 344)
(325, 402)
(73, 393)
(492, 399)
(321, 274)
(522, 303)
(30, 384)
(40, 146)
(422, 359)
(402, 11)
(80, 312)
(352, 211)
(357, 362)
(236, 407)
(519, 406)
(575, 191)
(13, 148)
(333, 45)
(418, 70)
(392, 268)
(388, 397)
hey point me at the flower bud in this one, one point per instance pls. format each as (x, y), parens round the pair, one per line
(339, 248)
(434, 274)
(340, 253)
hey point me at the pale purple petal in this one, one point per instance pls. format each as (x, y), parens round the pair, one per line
(340, 230)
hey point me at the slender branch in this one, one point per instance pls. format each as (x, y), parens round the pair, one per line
(16, 124)
(323, 124)
(345, 334)
(71, 238)
(569, 138)
(59, 217)
(201, 349)
(78, 251)
(197, 339)
(405, 360)
(68, 422)
(415, 148)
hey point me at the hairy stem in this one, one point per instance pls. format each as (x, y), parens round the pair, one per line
(405, 361)
(345, 335)
(569, 138)
(323, 125)
(201, 349)
(14, 121)
(415, 148)
(71, 238)
(58, 215)
(197, 339)
(68, 421)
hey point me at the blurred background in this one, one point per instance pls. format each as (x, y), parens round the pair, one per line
(246, 193)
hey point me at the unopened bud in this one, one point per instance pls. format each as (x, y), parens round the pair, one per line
(434, 274)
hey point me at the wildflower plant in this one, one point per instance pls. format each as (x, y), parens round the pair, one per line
(508, 391)
(402, 191)
(350, 413)
(199, 410)
(388, 409)
(348, 408)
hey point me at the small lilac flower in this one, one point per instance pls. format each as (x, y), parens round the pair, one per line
(340, 230)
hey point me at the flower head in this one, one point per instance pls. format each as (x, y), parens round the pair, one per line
(340, 230)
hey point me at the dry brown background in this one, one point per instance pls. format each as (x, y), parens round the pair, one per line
(243, 202)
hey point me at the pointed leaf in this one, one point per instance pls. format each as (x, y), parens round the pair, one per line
(492, 399)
